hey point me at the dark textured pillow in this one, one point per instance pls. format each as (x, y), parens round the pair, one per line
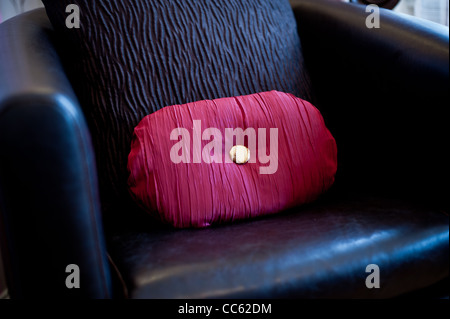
(130, 58)
(181, 161)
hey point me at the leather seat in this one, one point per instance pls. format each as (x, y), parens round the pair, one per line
(318, 251)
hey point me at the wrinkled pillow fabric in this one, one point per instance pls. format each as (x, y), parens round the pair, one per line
(130, 58)
(181, 171)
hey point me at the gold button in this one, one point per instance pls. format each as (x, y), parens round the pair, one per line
(240, 154)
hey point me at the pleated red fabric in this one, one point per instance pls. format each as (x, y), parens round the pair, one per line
(180, 169)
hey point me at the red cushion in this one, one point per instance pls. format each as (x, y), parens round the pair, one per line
(181, 173)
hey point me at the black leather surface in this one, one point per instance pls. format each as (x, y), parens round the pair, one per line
(131, 58)
(388, 4)
(318, 251)
(50, 213)
(384, 96)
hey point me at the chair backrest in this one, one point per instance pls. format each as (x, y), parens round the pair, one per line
(130, 58)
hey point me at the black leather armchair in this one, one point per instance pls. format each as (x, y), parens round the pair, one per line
(383, 93)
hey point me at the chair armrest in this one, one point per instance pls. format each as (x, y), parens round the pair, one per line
(384, 95)
(50, 212)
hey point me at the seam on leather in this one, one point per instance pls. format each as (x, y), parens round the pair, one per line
(119, 276)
